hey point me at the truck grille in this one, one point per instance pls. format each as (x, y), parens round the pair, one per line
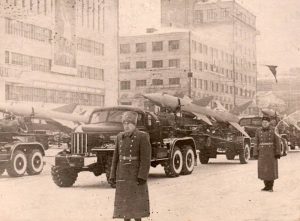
(79, 143)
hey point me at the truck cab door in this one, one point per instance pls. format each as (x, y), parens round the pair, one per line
(153, 128)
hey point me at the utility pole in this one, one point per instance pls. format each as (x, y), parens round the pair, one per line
(233, 52)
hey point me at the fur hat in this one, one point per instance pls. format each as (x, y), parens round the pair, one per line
(266, 118)
(130, 117)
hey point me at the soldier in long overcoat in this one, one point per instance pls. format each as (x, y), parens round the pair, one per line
(267, 151)
(130, 169)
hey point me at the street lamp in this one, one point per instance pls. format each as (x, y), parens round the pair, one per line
(190, 75)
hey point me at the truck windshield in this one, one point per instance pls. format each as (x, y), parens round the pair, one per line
(114, 116)
(250, 122)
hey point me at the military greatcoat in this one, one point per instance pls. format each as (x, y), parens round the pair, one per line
(131, 161)
(266, 148)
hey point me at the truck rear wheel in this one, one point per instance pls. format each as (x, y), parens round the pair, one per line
(174, 167)
(188, 160)
(203, 158)
(18, 164)
(35, 162)
(244, 154)
(63, 177)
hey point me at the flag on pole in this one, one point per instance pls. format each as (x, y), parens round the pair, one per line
(273, 70)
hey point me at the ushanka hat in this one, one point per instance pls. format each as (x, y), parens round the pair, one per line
(130, 117)
(266, 118)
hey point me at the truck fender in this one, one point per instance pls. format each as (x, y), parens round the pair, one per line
(32, 145)
(181, 141)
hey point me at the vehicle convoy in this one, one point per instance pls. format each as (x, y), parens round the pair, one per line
(174, 141)
(21, 150)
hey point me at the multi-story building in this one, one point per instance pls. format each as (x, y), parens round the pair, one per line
(217, 43)
(162, 60)
(59, 52)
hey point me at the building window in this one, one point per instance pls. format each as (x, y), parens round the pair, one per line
(157, 46)
(125, 48)
(34, 32)
(125, 65)
(6, 57)
(90, 72)
(199, 48)
(125, 85)
(174, 63)
(200, 65)
(157, 82)
(200, 83)
(141, 64)
(205, 49)
(157, 64)
(173, 45)
(140, 47)
(198, 16)
(90, 46)
(141, 83)
(205, 66)
(36, 63)
(205, 85)
(173, 81)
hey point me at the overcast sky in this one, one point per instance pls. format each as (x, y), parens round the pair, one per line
(278, 22)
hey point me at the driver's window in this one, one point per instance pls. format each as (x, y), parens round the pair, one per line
(140, 120)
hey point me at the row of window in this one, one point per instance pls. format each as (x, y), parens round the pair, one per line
(126, 85)
(200, 66)
(156, 46)
(219, 87)
(43, 64)
(174, 63)
(90, 46)
(18, 28)
(90, 72)
(214, 53)
(36, 6)
(30, 94)
(221, 14)
(36, 63)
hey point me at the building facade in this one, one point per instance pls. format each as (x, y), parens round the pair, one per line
(59, 52)
(217, 44)
(162, 60)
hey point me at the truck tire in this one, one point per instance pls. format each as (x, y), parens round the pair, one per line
(244, 154)
(35, 162)
(230, 154)
(174, 167)
(63, 177)
(188, 160)
(18, 164)
(2, 170)
(203, 158)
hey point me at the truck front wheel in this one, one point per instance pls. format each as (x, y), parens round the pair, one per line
(35, 162)
(188, 160)
(244, 154)
(18, 164)
(63, 177)
(174, 167)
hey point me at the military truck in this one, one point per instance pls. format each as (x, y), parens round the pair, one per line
(221, 139)
(172, 147)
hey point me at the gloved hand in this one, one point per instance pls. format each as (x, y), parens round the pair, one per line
(255, 157)
(141, 181)
(277, 156)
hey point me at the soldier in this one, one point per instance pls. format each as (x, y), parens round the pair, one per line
(130, 169)
(267, 151)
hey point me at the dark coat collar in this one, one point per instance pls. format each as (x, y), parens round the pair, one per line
(131, 134)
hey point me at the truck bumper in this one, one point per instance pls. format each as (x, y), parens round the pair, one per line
(75, 161)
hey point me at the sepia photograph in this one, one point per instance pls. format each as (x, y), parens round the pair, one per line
(153, 110)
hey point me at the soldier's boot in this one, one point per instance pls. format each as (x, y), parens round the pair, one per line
(271, 184)
(266, 186)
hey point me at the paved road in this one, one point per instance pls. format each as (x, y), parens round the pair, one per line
(221, 190)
